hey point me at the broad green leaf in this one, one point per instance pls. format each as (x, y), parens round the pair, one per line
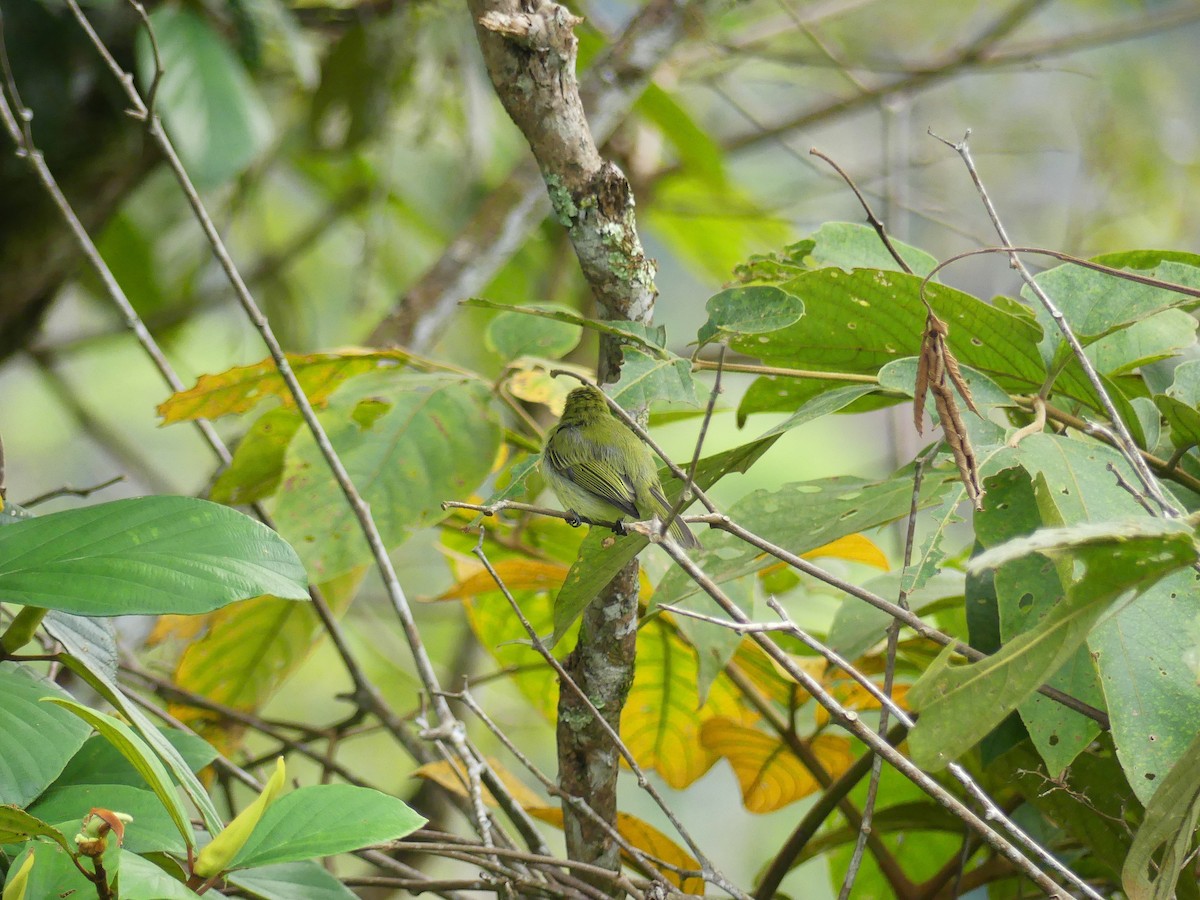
(99, 762)
(1146, 657)
(857, 626)
(1163, 843)
(512, 484)
(36, 739)
(1027, 590)
(650, 338)
(852, 245)
(512, 334)
(1145, 260)
(287, 881)
(143, 880)
(152, 554)
(800, 517)
(960, 705)
(754, 309)
(150, 831)
(211, 108)
(603, 555)
(140, 756)
(663, 715)
(788, 394)
(860, 321)
(1096, 303)
(257, 465)
(241, 388)
(324, 820)
(215, 857)
(646, 379)
(17, 826)
(408, 442)
(1160, 336)
(1072, 382)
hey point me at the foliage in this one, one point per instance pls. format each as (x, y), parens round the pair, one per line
(1049, 648)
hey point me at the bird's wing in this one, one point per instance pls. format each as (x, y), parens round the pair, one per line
(602, 481)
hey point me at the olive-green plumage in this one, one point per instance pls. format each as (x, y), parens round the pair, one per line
(600, 470)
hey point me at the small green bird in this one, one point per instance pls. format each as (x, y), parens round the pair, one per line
(599, 469)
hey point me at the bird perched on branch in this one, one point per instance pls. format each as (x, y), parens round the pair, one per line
(601, 471)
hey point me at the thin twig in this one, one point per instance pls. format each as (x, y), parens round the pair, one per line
(873, 220)
(685, 496)
(68, 491)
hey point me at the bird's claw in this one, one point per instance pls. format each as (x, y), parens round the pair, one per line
(573, 519)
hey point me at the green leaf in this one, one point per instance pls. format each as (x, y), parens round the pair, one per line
(851, 246)
(143, 880)
(787, 394)
(408, 442)
(152, 735)
(211, 108)
(650, 338)
(17, 826)
(513, 334)
(1160, 336)
(822, 405)
(85, 638)
(287, 881)
(99, 762)
(960, 705)
(324, 820)
(1146, 657)
(17, 882)
(602, 555)
(140, 756)
(1096, 303)
(858, 322)
(152, 555)
(36, 740)
(150, 831)
(1162, 845)
(1028, 589)
(646, 379)
(755, 309)
(257, 466)
(800, 517)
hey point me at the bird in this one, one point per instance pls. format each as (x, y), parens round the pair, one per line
(601, 471)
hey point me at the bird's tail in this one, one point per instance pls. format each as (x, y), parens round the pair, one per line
(678, 529)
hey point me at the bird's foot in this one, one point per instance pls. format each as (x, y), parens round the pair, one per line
(573, 518)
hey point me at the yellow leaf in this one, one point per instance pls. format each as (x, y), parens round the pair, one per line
(530, 381)
(518, 574)
(18, 881)
(242, 387)
(250, 650)
(662, 717)
(180, 628)
(853, 548)
(222, 849)
(769, 774)
(646, 838)
(454, 779)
